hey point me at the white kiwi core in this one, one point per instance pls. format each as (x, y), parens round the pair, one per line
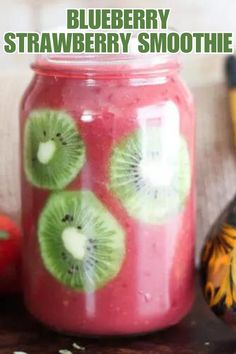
(46, 152)
(156, 172)
(74, 242)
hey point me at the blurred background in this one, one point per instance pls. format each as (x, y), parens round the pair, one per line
(204, 74)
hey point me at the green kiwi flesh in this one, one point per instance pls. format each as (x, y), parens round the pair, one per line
(54, 152)
(150, 174)
(81, 243)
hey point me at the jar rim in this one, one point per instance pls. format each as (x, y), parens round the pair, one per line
(98, 65)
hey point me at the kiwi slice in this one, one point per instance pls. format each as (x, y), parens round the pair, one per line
(54, 152)
(150, 173)
(81, 243)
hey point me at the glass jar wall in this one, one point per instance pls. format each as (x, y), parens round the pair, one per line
(108, 194)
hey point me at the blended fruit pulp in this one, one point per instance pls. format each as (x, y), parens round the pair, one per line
(143, 280)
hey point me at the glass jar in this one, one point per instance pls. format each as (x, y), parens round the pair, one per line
(108, 194)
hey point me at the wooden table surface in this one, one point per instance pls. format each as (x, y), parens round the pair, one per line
(200, 333)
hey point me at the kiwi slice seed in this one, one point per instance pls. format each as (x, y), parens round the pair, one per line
(54, 151)
(150, 174)
(81, 243)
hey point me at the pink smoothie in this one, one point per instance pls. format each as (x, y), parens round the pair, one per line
(154, 287)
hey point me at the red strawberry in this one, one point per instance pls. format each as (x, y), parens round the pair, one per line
(10, 252)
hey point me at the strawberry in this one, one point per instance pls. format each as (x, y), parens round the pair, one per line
(10, 252)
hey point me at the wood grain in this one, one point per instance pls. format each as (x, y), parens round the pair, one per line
(216, 154)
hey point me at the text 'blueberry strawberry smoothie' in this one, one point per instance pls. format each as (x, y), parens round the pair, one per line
(108, 193)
